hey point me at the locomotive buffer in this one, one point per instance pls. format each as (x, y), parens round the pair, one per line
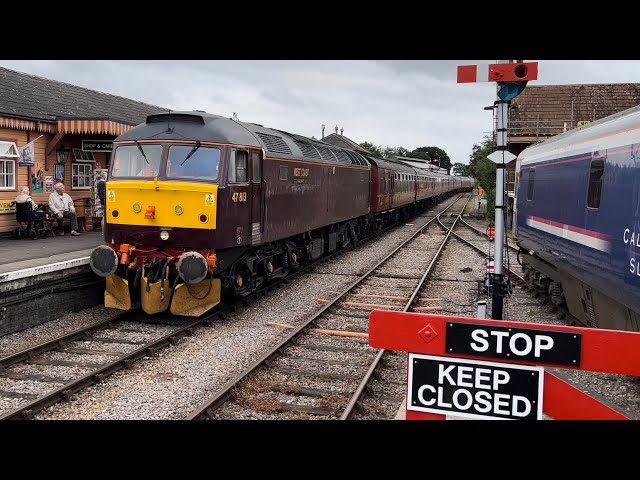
(511, 79)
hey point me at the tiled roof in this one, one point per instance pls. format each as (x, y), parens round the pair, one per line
(342, 141)
(544, 110)
(28, 96)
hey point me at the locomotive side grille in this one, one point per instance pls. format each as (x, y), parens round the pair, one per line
(308, 150)
(275, 144)
(326, 153)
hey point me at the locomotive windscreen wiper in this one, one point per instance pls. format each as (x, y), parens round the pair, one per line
(142, 152)
(193, 150)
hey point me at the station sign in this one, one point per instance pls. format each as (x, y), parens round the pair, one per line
(474, 388)
(7, 206)
(97, 145)
(513, 343)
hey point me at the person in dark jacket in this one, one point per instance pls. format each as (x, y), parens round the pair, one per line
(101, 187)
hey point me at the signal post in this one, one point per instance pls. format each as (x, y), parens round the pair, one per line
(511, 79)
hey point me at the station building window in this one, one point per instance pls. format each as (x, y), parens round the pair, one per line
(82, 156)
(8, 155)
(81, 176)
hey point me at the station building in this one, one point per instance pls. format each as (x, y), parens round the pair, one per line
(53, 131)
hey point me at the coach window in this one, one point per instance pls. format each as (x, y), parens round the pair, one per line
(238, 166)
(256, 175)
(532, 176)
(595, 183)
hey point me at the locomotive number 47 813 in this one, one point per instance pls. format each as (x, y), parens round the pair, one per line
(239, 197)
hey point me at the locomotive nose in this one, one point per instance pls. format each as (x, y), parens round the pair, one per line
(103, 261)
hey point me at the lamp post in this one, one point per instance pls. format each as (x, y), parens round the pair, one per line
(61, 155)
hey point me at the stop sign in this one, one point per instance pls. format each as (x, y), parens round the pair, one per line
(491, 232)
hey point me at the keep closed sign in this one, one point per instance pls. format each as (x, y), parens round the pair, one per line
(474, 389)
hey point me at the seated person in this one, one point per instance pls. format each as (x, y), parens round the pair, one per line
(24, 196)
(61, 206)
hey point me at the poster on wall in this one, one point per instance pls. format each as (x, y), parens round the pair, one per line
(27, 155)
(48, 184)
(58, 173)
(37, 180)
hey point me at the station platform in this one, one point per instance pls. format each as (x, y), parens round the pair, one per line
(26, 258)
(41, 280)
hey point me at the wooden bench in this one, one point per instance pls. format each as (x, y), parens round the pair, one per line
(80, 215)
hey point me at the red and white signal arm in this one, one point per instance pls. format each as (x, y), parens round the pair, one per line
(491, 231)
(498, 72)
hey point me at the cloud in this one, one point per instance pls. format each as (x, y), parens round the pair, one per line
(398, 103)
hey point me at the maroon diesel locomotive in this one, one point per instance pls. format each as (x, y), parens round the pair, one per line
(198, 205)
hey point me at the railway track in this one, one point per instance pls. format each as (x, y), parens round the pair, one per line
(91, 354)
(324, 367)
(178, 378)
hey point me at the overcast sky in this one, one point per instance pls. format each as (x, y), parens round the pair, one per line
(396, 103)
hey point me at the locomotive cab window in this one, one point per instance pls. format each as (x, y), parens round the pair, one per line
(532, 176)
(193, 161)
(141, 160)
(256, 175)
(595, 183)
(238, 166)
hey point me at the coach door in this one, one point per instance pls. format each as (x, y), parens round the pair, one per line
(257, 202)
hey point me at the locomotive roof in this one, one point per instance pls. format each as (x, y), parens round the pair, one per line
(402, 166)
(600, 134)
(202, 126)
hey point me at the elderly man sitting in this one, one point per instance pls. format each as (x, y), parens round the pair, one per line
(62, 207)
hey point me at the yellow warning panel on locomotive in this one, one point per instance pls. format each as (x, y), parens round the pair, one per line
(154, 203)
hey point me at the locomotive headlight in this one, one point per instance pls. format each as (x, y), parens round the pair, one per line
(179, 210)
(137, 207)
(164, 235)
